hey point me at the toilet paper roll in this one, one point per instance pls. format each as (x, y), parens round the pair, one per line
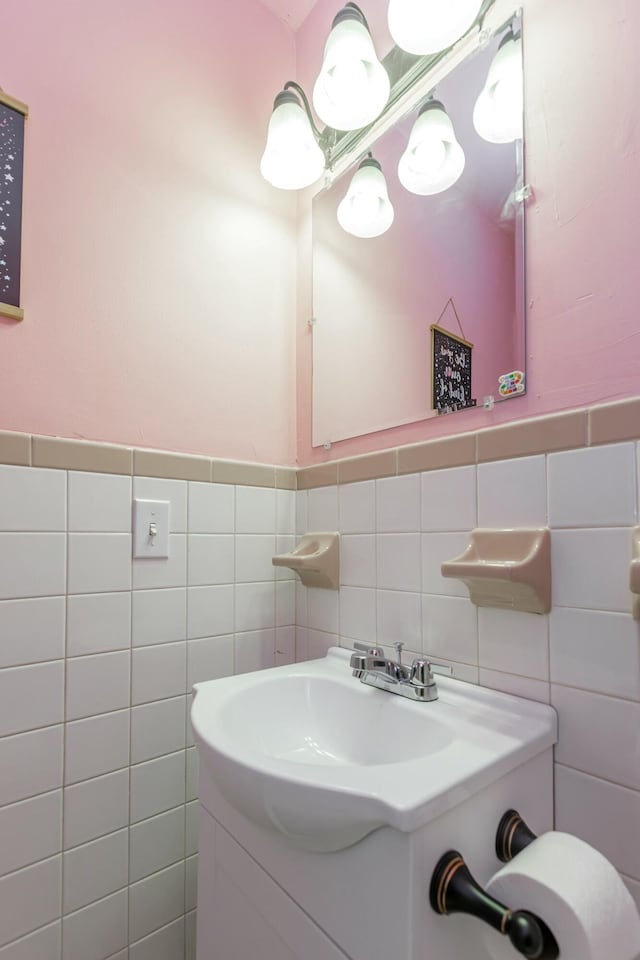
(579, 895)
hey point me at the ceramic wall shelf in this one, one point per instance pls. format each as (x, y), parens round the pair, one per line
(634, 576)
(510, 569)
(316, 560)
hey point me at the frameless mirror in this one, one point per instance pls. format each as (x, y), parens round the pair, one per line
(453, 261)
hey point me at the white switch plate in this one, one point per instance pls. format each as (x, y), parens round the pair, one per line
(151, 528)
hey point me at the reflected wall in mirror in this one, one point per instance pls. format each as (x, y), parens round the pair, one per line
(460, 251)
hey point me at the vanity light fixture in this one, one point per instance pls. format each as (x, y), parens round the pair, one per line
(498, 113)
(292, 158)
(428, 26)
(433, 160)
(353, 87)
(366, 210)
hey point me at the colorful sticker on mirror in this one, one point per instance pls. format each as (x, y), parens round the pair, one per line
(510, 384)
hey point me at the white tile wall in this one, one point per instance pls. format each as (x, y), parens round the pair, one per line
(584, 657)
(97, 653)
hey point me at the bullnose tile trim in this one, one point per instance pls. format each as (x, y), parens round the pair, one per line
(244, 474)
(457, 451)
(322, 475)
(373, 466)
(80, 455)
(613, 422)
(15, 448)
(561, 431)
(171, 466)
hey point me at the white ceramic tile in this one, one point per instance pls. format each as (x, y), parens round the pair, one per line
(190, 738)
(358, 614)
(98, 623)
(168, 943)
(254, 606)
(209, 659)
(302, 644)
(596, 651)
(175, 491)
(31, 631)
(98, 684)
(96, 807)
(99, 503)
(95, 870)
(285, 646)
(285, 545)
(255, 651)
(190, 923)
(31, 697)
(285, 603)
(192, 811)
(302, 512)
(590, 569)
(285, 512)
(255, 510)
(513, 493)
(210, 559)
(302, 606)
(398, 504)
(450, 629)
(398, 561)
(518, 686)
(156, 900)
(318, 643)
(152, 574)
(96, 745)
(157, 729)
(32, 565)
(157, 785)
(193, 772)
(158, 672)
(211, 508)
(603, 814)
(598, 735)
(323, 609)
(323, 510)
(29, 899)
(97, 931)
(514, 642)
(191, 883)
(157, 843)
(436, 549)
(449, 499)
(253, 558)
(99, 562)
(595, 487)
(44, 944)
(30, 831)
(357, 503)
(31, 763)
(399, 619)
(358, 561)
(159, 616)
(210, 611)
(32, 499)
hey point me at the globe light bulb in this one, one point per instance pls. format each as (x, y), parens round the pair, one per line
(366, 210)
(292, 158)
(433, 160)
(498, 113)
(428, 26)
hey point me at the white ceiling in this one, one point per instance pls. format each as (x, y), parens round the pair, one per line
(293, 12)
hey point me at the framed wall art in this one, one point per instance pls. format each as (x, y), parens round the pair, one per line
(13, 114)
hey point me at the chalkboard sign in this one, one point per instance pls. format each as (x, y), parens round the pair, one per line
(12, 118)
(451, 371)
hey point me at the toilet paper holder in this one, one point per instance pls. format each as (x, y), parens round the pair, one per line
(453, 889)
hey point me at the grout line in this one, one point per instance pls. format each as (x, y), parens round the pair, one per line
(596, 776)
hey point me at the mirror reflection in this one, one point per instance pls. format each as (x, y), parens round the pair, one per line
(419, 250)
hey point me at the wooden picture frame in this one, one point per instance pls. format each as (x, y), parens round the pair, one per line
(13, 114)
(450, 371)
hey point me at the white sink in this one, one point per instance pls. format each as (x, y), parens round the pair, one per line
(311, 752)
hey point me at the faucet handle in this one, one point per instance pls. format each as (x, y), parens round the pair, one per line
(421, 675)
(367, 648)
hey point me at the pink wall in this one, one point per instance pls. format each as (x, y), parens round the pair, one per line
(583, 137)
(157, 264)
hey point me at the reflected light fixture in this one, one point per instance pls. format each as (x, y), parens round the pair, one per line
(353, 87)
(428, 26)
(498, 113)
(433, 160)
(366, 210)
(292, 158)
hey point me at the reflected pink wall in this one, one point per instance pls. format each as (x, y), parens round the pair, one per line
(157, 264)
(583, 228)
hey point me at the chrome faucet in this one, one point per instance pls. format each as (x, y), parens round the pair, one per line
(371, 666)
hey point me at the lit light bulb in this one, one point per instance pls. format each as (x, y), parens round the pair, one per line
(292, 158)
(353, 87)
(433, 160)
(366, 210)
(428, 26)
(498, 113)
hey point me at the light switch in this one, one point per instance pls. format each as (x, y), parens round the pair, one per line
(151, 528)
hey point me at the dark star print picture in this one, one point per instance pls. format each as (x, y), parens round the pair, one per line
(11, 158)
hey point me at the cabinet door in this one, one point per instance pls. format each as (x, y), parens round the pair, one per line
(243, 914)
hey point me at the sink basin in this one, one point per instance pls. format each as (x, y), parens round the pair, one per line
(313, 753)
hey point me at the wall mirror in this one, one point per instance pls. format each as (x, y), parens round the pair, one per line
(452, 259)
